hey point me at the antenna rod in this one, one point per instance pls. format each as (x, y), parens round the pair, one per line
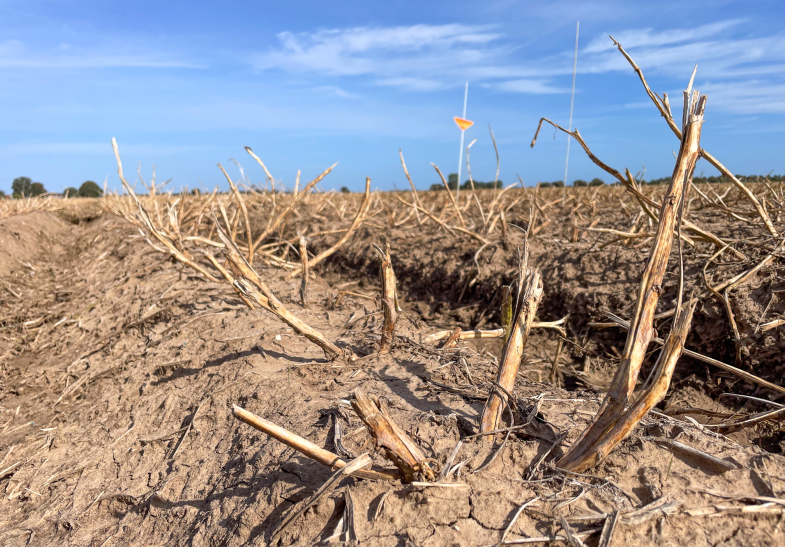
(463, 131)
(572, 102)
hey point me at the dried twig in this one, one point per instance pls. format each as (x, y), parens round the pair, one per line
(356, 464)
(452, 198)
(664, 109)
(306, 447)
(364, 206)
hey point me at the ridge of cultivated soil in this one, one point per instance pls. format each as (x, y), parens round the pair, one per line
(120, 368)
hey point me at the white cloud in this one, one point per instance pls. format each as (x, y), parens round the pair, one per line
(412, 84)
(16, 54)
(93, 148)
(414, 58)
(647, 37)
(747, 97)
(358, 50)
(336, 91)
(740, 74)
(427, 58)
(529, 86)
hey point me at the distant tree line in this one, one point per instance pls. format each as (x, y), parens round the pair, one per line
(24, 187)
(580, 183)
(720, 180)
(452, 182)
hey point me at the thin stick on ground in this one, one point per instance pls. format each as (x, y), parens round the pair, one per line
(306, 447)
(494, 333)
(268, 300)
(327, 487)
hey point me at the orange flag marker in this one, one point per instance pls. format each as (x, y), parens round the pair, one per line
(463, 124)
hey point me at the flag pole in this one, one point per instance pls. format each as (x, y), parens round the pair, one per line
(463, 131)
(572, 102)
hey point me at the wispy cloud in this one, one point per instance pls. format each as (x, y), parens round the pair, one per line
(335, 91)
(364, 50)
(413, 58)
(529, 86)
(426, 58)
(93, 148)
(741, 74)
(648, 37)
(17, 54)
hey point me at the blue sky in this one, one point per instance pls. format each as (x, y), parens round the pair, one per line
(186, 85)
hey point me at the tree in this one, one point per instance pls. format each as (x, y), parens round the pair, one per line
(579, 183)
(36, 189)
(345, 190)
(21, 186)
(557, 184)
(452, 181)
(71, 192)
(597, 182)
(89, 189)
(2, 194)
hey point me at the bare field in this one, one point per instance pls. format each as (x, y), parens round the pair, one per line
(128, 340)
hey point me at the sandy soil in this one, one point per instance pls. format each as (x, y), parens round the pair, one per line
(119, 369)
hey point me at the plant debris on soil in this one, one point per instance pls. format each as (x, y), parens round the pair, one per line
(120, 369)
(302, 368)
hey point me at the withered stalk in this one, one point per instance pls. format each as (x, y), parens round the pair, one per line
(585, 449)
(387, 279)
(664, 109)
(364, 206)
(241, 202)
(494, 333)
(453, 339)
(664, 367)
(397, 445)
(268, 300)
(452, 198)
(700, 357)
(306, 447)
(277, 222)
(414, 190)
(147, 221)
(304, 261)
(627, 182)
(529, 294)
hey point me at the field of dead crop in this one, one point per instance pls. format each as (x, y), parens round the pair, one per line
(597, 366)
(158, 389)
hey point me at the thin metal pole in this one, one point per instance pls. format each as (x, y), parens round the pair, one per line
(572, 101)
(463, 131)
